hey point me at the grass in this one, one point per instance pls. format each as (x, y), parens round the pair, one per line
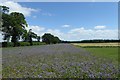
(104, 50)
(110, 53)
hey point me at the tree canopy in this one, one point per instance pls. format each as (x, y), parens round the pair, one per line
(49, 38)
(13, 24)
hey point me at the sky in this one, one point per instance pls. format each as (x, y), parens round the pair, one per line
(62, 0)
(70, 20)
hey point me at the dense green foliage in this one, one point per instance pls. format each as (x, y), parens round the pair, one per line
(13, 26)
(50, 39)
(10, 44)
(19, 24)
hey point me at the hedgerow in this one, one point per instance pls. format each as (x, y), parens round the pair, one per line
(10, 44)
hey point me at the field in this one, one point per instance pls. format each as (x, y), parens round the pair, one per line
(110, 53)
(107, 50)
(58, 61)
(97, 44)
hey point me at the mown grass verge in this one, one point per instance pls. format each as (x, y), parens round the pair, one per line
(105, 50)
(110, 53)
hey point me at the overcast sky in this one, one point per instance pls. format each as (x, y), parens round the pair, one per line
(70, 21)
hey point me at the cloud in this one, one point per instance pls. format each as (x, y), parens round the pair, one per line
(65, 26)
(41, 30)
(15, 7)
(99, 27)
(47, 14)
(81, 34)
(34, 16)
(76, 33)
(77, 30)
(54, 31)
(37, 29)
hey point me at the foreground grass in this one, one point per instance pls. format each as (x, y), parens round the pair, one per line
(109, 53)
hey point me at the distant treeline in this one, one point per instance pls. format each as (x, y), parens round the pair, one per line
(91, 41)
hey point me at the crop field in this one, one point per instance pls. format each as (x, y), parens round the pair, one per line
(57, 61)
(97, 44)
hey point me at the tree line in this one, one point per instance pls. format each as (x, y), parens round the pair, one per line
(91, 41)
(13, 26)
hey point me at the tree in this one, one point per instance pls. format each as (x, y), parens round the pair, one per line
(4, 9)
(38, 38)
(49, 39)
(56, 40)
(18, 23)
(5, 25)
(34, 35)
(25, 36)
(30, 34)
(13, 24)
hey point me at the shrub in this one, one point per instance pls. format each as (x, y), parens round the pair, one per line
(10, 44)
(7, 44)
(24, 43)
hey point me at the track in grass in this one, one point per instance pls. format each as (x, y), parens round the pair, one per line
(55, 61)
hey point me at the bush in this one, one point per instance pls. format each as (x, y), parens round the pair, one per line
(4, 44)
(10, 44)
(24, 43)
(7, 44)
